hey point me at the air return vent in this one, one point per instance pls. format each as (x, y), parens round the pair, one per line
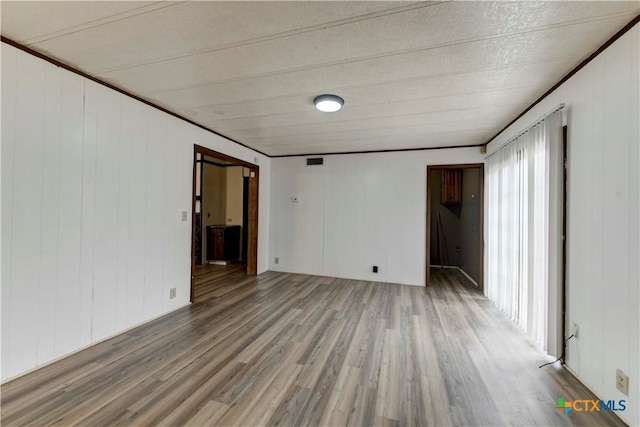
(315, 161)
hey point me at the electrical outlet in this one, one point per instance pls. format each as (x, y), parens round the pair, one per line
(184, 215)
(574, 329)
(172, 293)
(375, 268)
(622, 382)
(277, 260)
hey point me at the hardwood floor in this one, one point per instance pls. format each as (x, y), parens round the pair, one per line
(208, 277)
(286, 349)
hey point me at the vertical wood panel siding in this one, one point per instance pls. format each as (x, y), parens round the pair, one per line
(93, 186)
(354, 212)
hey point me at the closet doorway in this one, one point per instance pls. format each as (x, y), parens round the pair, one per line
(455, 220)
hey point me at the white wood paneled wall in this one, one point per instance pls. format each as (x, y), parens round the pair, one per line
(354, 212)
(603, 221)
(93, 187)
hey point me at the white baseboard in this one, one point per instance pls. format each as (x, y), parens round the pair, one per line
(460, 270)
(468, 277)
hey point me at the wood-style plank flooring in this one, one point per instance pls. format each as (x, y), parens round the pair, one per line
(287, 349)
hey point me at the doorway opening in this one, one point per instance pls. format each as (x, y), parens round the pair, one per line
(455, 220)
(225, 216)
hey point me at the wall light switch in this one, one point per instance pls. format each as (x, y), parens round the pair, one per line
(184, 216)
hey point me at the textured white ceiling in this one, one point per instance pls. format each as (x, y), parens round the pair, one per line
(413, 75)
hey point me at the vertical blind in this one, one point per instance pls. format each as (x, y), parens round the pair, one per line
(523, 223)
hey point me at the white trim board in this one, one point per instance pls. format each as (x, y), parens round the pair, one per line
(461, 271)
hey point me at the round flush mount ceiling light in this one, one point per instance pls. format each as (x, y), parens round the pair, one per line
(328, 103)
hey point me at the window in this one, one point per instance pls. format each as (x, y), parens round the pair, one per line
(524, 227)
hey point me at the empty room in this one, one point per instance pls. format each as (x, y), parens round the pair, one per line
(320, 213)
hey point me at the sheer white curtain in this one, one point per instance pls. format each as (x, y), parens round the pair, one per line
(523, 231)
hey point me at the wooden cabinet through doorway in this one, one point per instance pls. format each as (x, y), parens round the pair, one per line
(223, 242)
(451, 186)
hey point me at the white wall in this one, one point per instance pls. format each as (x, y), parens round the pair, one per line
(353, 212)
(93, 186)
(214, 195)
(603, 217)
(233, 196)
(214, 186)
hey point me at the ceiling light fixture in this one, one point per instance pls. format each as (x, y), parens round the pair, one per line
(328, 103)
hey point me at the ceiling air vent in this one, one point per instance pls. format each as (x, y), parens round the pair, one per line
(315, 161)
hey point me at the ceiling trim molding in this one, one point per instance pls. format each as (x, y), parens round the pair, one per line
(581, 65)
(397, 150)
(118, 89)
